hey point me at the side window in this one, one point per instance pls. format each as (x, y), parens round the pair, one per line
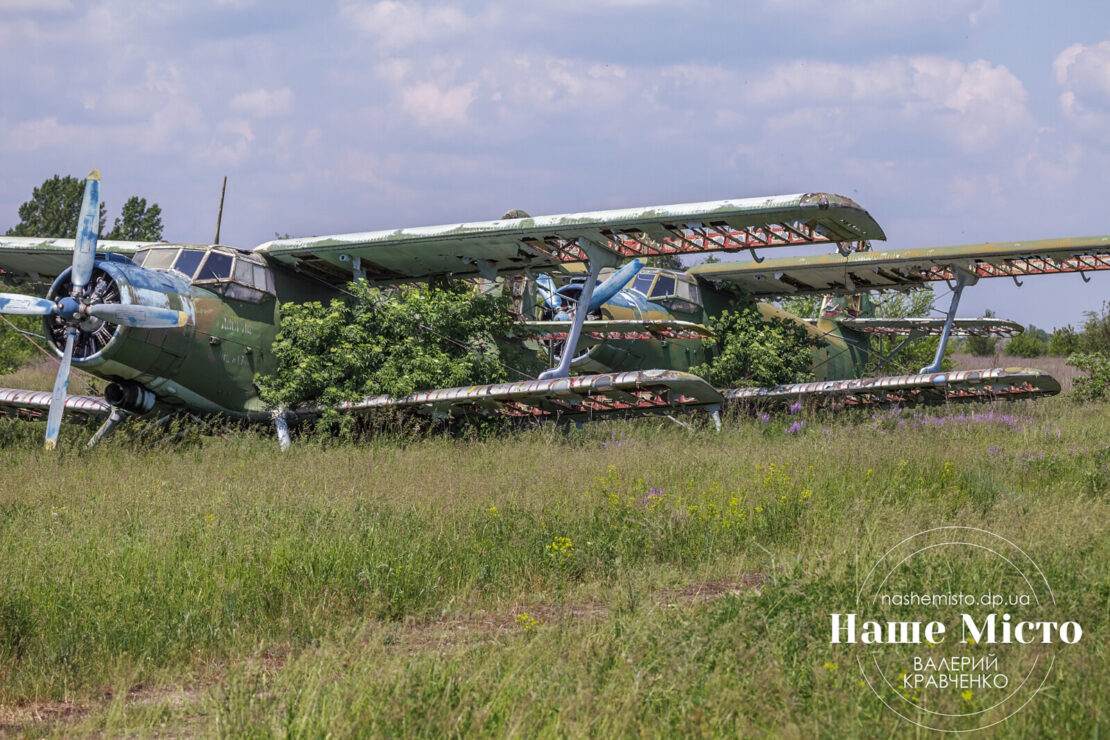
(244, 272)
(689, 292)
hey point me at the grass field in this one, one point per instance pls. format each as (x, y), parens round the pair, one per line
(630, 579)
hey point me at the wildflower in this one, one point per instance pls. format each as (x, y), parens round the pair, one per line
(561, 547)
(493, 512)
(830, 667)
(526, 621)
(795, 407)
(966, 695)
(796, 427)
(765, 417)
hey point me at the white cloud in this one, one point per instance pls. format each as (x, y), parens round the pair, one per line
(263, 103)
(974, 104)
(395, 25)
(1084, 74)
(434, 107)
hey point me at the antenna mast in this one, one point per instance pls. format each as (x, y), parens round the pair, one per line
(220, 215)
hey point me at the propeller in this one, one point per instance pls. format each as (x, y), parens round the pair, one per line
(83, 304)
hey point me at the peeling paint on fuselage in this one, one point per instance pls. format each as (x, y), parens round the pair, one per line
(840, 353)
(207, 365)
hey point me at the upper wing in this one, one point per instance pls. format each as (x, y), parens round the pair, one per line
(930, 327)
(484, 248)
(42, 259)
(899, 268)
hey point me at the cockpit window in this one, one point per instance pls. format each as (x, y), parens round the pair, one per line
(188, 262)
(158, 259)
(642, 283)
(664, 286)
(216, 267)
(243, 277)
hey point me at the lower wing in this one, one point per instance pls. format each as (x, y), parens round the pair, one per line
(930, 388)
(33, 404)
(932, 327)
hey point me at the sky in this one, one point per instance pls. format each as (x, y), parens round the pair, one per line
(952, 121)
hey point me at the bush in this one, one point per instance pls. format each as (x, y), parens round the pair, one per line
(1027, 344)
(393, 342)
(1096, 331)
(748, 350)
(1097, 383)
(1063, 342)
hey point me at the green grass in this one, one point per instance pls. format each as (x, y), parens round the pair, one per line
(537, 584)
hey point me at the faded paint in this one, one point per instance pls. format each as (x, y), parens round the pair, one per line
(859, 271)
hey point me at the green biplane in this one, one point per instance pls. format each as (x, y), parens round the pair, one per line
(187, 327)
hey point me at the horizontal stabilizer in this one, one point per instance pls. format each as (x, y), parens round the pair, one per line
(930, 388)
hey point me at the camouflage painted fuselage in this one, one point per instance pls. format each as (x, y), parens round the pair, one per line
(207, 366)
(840, 353)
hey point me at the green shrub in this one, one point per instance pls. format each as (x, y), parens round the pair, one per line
(394, 342)
(1027, 344)
(1097, 383)
(1063, 342)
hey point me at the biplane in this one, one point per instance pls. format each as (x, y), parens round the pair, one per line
(187, 327)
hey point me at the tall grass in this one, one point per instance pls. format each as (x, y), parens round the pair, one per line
(528, 584)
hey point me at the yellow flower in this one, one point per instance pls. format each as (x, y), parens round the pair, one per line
(966, 695)
(830, 667)
(526, 621)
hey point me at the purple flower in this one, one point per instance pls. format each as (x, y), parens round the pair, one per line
(795, 407)
(764, 417)
(796, 427)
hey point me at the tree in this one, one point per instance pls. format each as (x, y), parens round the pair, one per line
(394, 342)
(748, 350)
(137, 221)
(1095, 336)
(982, 345)
(1063, 342)
(1027, 344)
(54, 209)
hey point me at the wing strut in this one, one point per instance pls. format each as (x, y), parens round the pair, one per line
(598, 259)
(963, 279)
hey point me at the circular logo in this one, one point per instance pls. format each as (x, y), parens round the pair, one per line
(955, 629)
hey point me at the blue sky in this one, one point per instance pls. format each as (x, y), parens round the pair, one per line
(952, 121)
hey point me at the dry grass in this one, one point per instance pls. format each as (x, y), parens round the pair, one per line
(1055, 366)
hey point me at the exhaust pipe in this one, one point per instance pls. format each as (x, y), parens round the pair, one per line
(129, 396)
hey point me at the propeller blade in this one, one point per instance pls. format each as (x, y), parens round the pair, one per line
(25, 305)
(143, 317)
(84, 249)
(58, 398)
